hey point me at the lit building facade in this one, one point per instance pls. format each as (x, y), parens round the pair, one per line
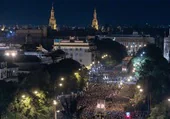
(167, 47)
(132, 42)
(82, 52)
(95, 21)
(52, 20)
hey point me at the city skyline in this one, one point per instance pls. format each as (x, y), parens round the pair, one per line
(80, 13)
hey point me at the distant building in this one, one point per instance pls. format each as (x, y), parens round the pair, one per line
(167, 47)
(80, 51)
(52, 20)
(132, 42)
(95, 21)
(31, 33)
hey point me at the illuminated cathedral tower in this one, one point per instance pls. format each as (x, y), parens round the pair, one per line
(95, 21)
(52, 20)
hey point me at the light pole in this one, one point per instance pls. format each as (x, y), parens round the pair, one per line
(55, 112)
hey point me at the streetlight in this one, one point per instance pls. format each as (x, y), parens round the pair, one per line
(62, 79)
(55, 102)
(23, 96)
(60, 84)
(128, 79)
(35, 92)
(169, 100)
(75, 73)
(141, 90)
(138, 86)
(93, 62)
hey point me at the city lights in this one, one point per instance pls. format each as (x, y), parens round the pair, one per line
(35, 92)
(62, 79)
(60, 84)
(10, 53)
(55, 102)
(138, 86)
(23, 96)
(7, 54)
(141, 90)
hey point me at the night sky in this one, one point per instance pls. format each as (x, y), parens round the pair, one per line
(80, 12)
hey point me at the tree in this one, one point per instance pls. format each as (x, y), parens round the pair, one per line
(35, 94)
(31, 105)
(152, 70)
(115, 50)
(7, 91)
(71, 109)
(160, 111)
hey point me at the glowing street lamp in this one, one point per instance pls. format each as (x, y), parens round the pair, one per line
(75, 73)
(121, 83)
(62, 79)
(138, 86)
(55, 102)
(141, 90)
(169, 100)
(23, 96)
(35, 92)
(60, 84)
(93, 62)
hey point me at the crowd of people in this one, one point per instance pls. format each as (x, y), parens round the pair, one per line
(107, 92)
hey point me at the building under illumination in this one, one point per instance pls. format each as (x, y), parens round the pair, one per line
(132, 42)
(95, 21)
(52, 20)
(81, 51)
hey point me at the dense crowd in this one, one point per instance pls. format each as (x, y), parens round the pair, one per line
(108, 93)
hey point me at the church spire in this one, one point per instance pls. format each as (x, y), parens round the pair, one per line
(52, 20)
(95, 21)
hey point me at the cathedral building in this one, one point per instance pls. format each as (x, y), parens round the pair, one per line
(95, 21)
(167, 47)
(52, 20)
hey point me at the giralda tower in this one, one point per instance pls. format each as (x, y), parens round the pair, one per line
(52, 20)
(95, 21)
